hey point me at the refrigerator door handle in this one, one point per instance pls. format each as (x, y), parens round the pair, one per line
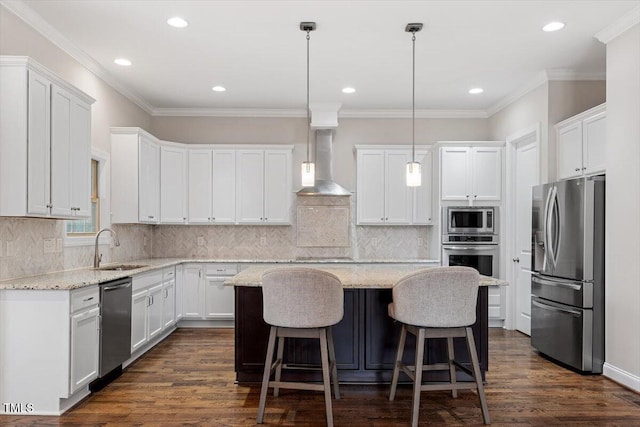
(552, 308)
(551, 232)
(540, 280)
(547, 231)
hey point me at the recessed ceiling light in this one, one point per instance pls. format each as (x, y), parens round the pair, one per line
(177, 22)
(476, 90)
(122, 61)
(218, 88)
(348, 90)
(553, 26)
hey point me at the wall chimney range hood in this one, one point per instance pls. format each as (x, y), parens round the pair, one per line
(324, 185)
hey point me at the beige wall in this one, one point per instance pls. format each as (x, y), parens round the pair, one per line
(110, 109)
(622, 292)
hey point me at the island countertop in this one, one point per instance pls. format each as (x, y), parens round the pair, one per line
(378, 276)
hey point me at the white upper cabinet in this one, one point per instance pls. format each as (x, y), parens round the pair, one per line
(581, 143)
(173, 185)
(224, 187)
(45, 143)
(382, 194)
(135, 176)
(212, 186)
(200, 186)
(471, 174)
(263, 186)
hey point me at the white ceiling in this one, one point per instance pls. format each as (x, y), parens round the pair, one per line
(256, 50)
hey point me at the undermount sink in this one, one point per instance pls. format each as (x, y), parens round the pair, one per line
(121, 267)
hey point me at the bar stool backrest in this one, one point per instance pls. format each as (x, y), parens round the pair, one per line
(299, 297)
(442, 297)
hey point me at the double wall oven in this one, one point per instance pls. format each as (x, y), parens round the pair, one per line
(470, 238)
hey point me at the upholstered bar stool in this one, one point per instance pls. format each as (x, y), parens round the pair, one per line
(437, 303)
(301, 303)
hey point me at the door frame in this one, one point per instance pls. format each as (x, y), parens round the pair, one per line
(531, 133)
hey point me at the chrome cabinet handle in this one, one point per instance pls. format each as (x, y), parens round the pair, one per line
(584, 168)
(87, 299)
(515, 259)
(561, 310)
(577, 169)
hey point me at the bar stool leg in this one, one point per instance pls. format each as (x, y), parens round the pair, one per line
(477, 375)
(279, 359)
(267, 373)
(396, 366)
(333, 363)
(417, 384)
(452, 367)
(325, 375)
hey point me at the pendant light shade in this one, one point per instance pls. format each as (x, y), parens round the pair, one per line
(414, 170)
(308, 169)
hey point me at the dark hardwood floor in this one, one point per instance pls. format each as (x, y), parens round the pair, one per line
(188, 380)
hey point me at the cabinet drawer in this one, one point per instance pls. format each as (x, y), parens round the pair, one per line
(141, 281)
(168, 273)
(221, 269)
(84, 297)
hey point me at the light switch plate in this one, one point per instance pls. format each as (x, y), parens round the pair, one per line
(200, 241)
(59, 245)
(263, 241)
(11, 250)
(49, 246)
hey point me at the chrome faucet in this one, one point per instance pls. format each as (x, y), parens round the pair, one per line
(97, 257)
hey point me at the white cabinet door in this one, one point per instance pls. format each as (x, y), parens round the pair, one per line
(200, 186)
(149, 177)
(455, 170)
(486, 178)
(569, 150)
(370, 187)
(139, 303)
(594, 136)
(154, 311)
(173, 185)
(250, 186)
(277, 186)
(396, 194)
(191, 305)
(219, 299)
(224, 187)
(423, 195)
(80, 158)
(61, 102)
(38, 147)
(85, 344)
(168, 303)
(179, 287)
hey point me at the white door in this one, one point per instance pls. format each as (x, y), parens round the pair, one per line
(80, 158)
(173, 185)
(594, 136)
(168, 303)
(277, 186)
(154, 311)
(179, 286)
(149, 170)
(200, 186)
(85, 342)
(569, 143)
(370, 187)
(192, 279)
(423, 195)
(250, 186)
(39, 148)
(397, 197)
(224, 187)
(486, 178)
(455, 169)
(525, 172)
(61, 102)
(139, 302)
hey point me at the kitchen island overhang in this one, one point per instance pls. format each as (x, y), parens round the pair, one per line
(366, 338)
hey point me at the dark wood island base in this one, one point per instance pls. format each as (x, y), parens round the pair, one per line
(365, 340)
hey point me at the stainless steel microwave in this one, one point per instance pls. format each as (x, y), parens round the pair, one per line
(469, 220)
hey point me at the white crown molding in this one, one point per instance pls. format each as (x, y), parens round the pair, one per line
(227, 112)
(406, 114)
(565, 74)
(625, 22)
(539, 79)
(24, 12)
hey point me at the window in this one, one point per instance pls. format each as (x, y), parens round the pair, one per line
(89, 226)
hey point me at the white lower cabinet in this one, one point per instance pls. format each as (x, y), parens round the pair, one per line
(204, 295)
(179, 290)
(139, 303)
(168, 297)
(85, 338)
(497, 305)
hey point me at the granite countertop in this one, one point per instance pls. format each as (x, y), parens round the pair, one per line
(351, 276)
(78, 278)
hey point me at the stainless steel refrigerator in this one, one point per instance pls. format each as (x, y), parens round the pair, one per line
(567, 284)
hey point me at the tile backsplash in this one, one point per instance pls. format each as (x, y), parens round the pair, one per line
(22, 243)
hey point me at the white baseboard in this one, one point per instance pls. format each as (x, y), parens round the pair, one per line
(621, 376)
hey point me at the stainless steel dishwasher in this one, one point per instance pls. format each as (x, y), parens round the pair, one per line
(115, 326)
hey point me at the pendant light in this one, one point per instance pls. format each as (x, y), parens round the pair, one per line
(414, 172)
(308, 169)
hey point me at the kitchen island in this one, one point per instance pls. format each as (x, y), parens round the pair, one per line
(366, 339)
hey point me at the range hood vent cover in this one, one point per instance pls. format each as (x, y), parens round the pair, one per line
(324, 185)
